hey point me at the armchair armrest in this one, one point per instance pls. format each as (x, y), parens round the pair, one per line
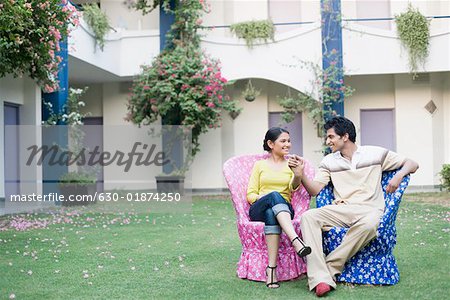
(325, 196)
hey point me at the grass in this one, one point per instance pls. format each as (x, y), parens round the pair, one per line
(193, 255)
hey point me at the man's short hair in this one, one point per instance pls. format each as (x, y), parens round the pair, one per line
(342, 126)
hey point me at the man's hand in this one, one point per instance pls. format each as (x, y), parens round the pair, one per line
(393, 184)
(408, 167)
(297, 165)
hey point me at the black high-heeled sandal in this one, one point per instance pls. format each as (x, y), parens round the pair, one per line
(272, 284)
(303, 251)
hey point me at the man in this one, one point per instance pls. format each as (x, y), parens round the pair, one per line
(359, 203)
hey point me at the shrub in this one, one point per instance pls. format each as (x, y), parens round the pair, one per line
(445, 176)
(30, 32)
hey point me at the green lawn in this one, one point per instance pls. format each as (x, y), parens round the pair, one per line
(194, 255)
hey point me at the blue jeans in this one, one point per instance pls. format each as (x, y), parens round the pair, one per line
(266, 210)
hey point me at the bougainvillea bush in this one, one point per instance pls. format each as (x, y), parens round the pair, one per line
(30, 32)
(183, 85)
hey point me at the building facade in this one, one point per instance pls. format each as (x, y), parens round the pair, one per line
(388, 107)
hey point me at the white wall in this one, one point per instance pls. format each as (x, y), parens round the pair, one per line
(93, 99)
(31, 114)
(371, 92)
(220, 15)
(120, 16)
(437, 96)
(12, 90)
(414, 126)
(285, 12)
(227, 130)
(312, 143)
(277, 61)
(206, 168)
(116, 134)
(251, 125)
(446, 113)
(241, 9)
(124, 52)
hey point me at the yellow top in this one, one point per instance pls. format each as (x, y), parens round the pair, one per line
(265, 179)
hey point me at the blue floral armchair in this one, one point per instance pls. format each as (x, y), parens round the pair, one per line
(375, 263)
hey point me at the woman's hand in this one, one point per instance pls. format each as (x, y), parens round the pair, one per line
(297, 165)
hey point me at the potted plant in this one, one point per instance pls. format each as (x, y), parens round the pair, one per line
(78, 181)
(250, 92)
(183, 85)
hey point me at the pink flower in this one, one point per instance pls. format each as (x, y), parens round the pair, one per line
(146, 88)
(210, 104)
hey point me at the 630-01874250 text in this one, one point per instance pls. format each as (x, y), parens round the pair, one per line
(102, 197)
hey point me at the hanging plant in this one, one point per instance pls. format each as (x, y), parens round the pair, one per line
(414, 33)
(250, 92)
(234, 112)
(254, 31)
(97, 21)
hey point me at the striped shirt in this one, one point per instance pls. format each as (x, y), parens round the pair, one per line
(359, 181)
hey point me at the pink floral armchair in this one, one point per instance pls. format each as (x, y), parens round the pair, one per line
(253, 260)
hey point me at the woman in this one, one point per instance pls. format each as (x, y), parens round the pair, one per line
(269, 193)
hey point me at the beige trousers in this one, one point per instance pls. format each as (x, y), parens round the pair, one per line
(362, 222)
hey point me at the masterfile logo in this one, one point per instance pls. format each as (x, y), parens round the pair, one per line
(139, 155)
